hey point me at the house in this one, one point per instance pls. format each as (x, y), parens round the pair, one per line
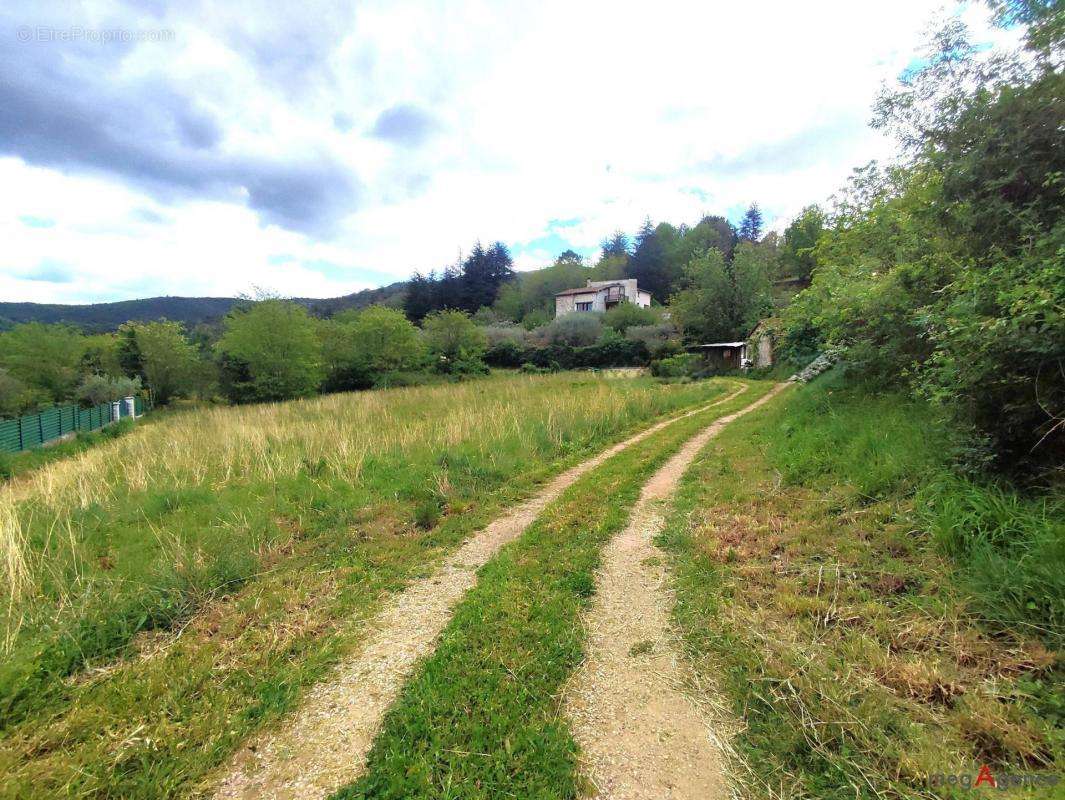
(601, 296)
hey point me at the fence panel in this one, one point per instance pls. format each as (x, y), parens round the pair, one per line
(10, 441)
(33, 430)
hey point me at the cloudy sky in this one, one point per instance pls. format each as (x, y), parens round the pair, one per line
(203, 148)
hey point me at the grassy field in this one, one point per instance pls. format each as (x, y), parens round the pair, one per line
(171, 591)
(871, 619)
(482, 717)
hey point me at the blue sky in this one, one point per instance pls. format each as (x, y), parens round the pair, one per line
(198, 148)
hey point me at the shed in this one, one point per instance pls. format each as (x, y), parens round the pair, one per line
(723, 355)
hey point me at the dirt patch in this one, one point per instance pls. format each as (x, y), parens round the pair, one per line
(641, 734)
(324, 745)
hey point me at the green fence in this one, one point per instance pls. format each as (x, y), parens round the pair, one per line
(34, 430)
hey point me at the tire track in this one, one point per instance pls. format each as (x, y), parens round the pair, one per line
(324, 745)
(641, 735)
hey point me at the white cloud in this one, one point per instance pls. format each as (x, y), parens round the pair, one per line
(529, 112)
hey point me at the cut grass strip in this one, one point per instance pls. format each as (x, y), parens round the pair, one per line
(481, 718)
(277, 575)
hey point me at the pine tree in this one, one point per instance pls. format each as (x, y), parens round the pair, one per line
(751, 227)
(649, 265)
(483, 272)
(615, 245)
(419, 299)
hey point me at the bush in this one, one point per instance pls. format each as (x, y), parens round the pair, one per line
(628, 315)
(682, 365)
(273, 351)
(579, 329)
(16, 397)
(456, 344)
(97, 389)
(532, 369)
(661, 340)
(505, 353)
(361, 347)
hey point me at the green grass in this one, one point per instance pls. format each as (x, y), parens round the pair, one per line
(181, 586)
(481, 717)
(826, 585)
(14, 465)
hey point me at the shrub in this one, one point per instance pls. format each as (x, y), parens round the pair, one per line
(456, 344)
(610, 353)
(274, 351)
(576, 330)
(361, 347)
(97, 389)
(682, 365)
(16, 397)
(661, 339)
(627, 315)
(504, 332)
(505, 353)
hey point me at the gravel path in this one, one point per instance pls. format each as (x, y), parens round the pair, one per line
(323, 746)
(641, 735)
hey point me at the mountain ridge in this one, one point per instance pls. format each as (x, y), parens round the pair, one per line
(102, 317)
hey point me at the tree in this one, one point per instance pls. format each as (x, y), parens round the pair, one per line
(535, 291)
(723, 302)
(271, 351)
(102, 355)
(483, 272)
(15, 397)
(570, 257)
(419, 298)
(616, 245)
(712, 232)
(944, 274)
(651, 264)
(46, 358)
(165, 360)
(456, 344)
(361, 347)
(800, 239)
(751, 226)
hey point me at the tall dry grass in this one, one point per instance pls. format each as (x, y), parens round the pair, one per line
(134, 523)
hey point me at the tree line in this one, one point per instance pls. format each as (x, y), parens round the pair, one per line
(944, 273)
(716, 276)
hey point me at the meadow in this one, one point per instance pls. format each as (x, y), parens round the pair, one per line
(174, 589)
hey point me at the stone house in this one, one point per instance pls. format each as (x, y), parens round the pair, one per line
(601, 296)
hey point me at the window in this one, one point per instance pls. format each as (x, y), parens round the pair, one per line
(584, 306)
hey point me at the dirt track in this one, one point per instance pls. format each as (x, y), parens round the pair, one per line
(323, 746)
(641, 735)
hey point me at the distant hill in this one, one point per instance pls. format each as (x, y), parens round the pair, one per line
(99, 317)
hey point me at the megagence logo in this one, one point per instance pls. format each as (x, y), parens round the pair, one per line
(988, 779)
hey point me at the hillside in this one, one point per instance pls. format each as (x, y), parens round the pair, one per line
(100, 317)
